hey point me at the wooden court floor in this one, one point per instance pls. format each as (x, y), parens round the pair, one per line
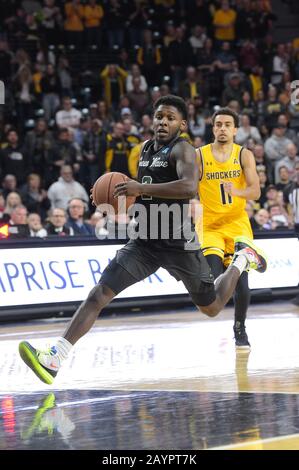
(168, 380)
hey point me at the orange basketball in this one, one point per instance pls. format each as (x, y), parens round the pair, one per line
(103, 188)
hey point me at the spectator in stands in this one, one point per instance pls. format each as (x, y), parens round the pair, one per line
(73, 25)
(249, 56)
(199, 13)
(268, 49)
(146, 123)
(24, 89)
(115, 15)
(117, 153)
(291, 134)
(13, 158)
(113, 78)
(9, 184)
(248, 107)
(65, 76)
(18, 225)
(263, 18)
(272, 108)
(283, 178)
(276, 145)
(180, 56)
(261, 171)
(79, 134)
(66, 188)
(234, 90)
(104, 115)
(94, 153)
(224, 60)
(245, 21)
(138, 15)
(271, 196)
(205, 62)
(192, 86)
(196, 122)
(77, 213)
(234, 69)
(62, 153)
(165, 89)
(262, 159)
(44, 56)
(246, 131)
(135, 72)
(68, 117)
(123, 108)
(93, 15)
(149, 57)
(37, 146)
(224, 23)
(50, 88)
(261, 220)
(51, 22)
(139, 99)
(34, 197)
(131, 131)
(35, 226)
(197, 39)
(288, 161)
(12, 201)
(279, 65)
(256, 81)
(260, 104)
(278, 220)
(170, 34)
(57, 224)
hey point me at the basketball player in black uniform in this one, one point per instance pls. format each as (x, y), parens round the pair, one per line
(168, 174)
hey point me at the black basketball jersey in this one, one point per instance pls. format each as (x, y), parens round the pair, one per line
(167, 220)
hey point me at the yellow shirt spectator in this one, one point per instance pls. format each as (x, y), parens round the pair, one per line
(74, 13)
(224, 23)
(93, 15)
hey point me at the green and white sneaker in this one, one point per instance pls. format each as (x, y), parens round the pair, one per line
(45, 364)
(257, 259)
(37, 424)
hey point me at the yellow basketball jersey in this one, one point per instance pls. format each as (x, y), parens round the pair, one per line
(220, 207)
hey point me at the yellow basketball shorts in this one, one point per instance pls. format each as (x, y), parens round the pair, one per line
(220, 241)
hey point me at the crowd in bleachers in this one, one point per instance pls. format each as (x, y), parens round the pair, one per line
(81, 77)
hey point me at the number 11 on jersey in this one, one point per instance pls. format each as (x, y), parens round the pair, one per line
(225, 197)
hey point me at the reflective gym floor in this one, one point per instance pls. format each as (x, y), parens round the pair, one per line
(168, 380)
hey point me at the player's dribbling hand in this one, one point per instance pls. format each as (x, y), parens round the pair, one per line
(128, 188)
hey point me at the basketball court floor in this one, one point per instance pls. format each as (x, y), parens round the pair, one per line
(168, 380)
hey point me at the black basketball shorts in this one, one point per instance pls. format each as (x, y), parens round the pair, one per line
(139, 259)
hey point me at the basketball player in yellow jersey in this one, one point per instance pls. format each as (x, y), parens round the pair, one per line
(228, 178)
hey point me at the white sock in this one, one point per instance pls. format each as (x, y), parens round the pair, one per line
(63, 347)
(240, 262)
